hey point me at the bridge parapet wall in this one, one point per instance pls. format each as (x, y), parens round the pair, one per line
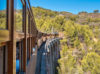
(52, 48)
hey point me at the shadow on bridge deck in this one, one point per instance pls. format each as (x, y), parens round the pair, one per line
(32, 64)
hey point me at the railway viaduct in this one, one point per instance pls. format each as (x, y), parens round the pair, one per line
(27, 51)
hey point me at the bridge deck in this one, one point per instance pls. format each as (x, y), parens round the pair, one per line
(41, 64)
(31, 66)
(47, 57)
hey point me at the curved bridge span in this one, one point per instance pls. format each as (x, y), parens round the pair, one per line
(48, 54)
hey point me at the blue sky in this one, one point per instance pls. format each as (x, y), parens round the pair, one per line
(2, 4)
(73, 6)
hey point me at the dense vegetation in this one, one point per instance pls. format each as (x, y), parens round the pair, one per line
(3, 19)
(80, 46)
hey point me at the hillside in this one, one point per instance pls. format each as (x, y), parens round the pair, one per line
(80, 47)
(42, 15)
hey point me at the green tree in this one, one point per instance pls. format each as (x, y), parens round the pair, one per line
(96, 11)
(91, 63)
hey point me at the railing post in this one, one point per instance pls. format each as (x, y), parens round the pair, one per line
(20, 56)
(30, 45)
(25, 39)
(12, 43)
(29, 30)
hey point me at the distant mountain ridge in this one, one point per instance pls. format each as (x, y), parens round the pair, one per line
(81, 18)
(64, 13)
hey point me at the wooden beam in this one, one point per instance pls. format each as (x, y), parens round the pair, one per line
(20, 55)
(30, 45)
(25, 39)
(24, 54)
(29, 30)
(12, 43)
